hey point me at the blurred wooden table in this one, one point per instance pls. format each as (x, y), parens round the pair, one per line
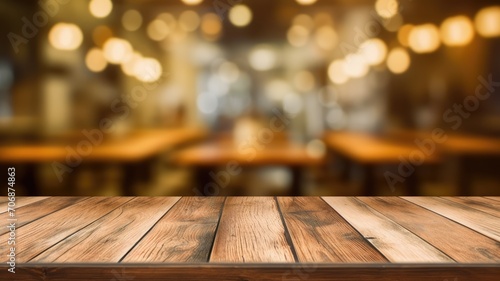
(469, 150)
(248, 238)
(370, 151)
(132, 152)
(207, 157)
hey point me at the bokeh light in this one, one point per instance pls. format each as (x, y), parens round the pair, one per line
(65, 36)
(404, 34)
(240, 15)
(100, 8)
(374, 51)
(95, 60)
(189, 21)
(158, 30)
(262, 58)
(298, 36)
(457, 31)
(488, 21)
(355, 66)
(306, 2)
(132, 20)
(117, 50)
(128, 66)
(386, 8)
(192, 2)
(148, 70)
(424, 38)
(398, 60)
(211, 26)
(336, 72)
(326, 37)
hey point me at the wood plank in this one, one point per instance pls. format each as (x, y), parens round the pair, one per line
(396, 243)
(34, 238)
(479, 203)
(271, 272)
(319, 234)
(481, 222)
(109, 238)
(39, 209)
(251, 230)
(493, 198)
(457, 241)
(184, 234)
(20, 202)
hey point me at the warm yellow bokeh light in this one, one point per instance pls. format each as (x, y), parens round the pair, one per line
(355, 66)
(488, 22)
(117, 50)
(404, 34)
(263, 58)
(211, 26)
(386, 8)
(240, 15)
(158, 30)
(457, 31)
(336, 72)
(424, 38)
(148, 70)
(100, 8)
(95, 60)
(297, 36)
(129, 65)
(306, 2)
(189, 21)
(192, 2)
(398, 60)
(132, 20)
(326, 37)
(373, 51)
(65, 36)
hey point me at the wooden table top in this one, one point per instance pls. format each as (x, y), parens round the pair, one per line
(221, 152)
(442, 237)
(455, 144)
(137, 146)
(368, 149)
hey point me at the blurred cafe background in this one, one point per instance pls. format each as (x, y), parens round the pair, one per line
(250, 97)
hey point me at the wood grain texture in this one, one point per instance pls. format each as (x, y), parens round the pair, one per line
(184, 234)
(457, 241)
(396, 243)
(231, 272)
(113, 235)
(251, 230)
(493, 198)
(479, 203)
(36, 210)
(35, 237)
(20, 202)
(481, 222)
(320, 234)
